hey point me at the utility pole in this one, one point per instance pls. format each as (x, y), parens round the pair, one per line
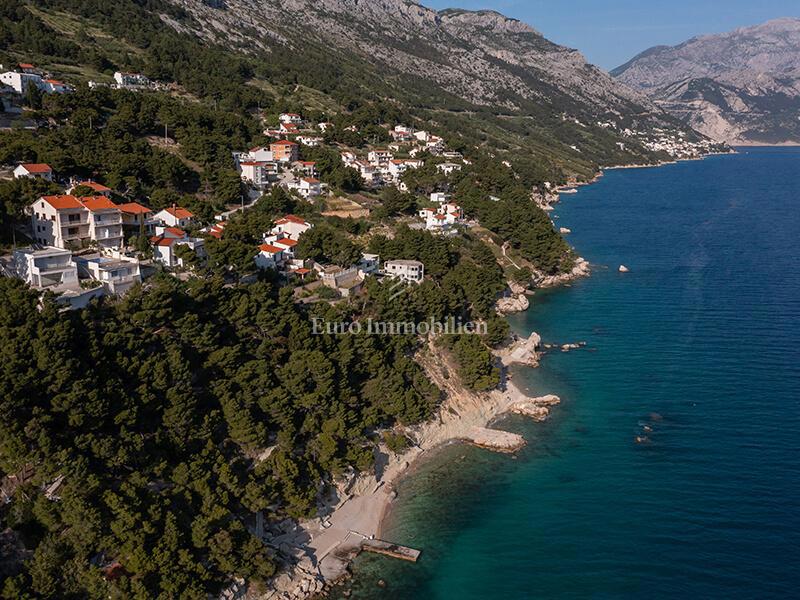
(165, 134)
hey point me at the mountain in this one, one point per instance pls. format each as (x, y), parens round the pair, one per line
(493, 79)
(739, 87)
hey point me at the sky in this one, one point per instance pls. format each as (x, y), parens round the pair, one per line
(611, 32)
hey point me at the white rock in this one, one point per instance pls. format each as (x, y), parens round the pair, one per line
(623, 269)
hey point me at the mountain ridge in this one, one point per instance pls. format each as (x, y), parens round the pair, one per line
(742, 86)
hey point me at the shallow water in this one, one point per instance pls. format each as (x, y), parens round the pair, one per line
(699, 343)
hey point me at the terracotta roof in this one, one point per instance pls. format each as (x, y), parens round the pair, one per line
(54, 81)
(37, 167)
(291, 219)
(162, 241)
(97, 187)
(302, 271)
(310, 180)
(26, 66)
(256, 163)
(62, 201)
(289, 243)
(283, 143)
(179, 213)
(133, 208)
(98, 203)
(174, 231)
(270, 249)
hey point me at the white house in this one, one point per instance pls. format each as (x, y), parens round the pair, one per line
(66, 221)
(166, 244)
(289, 129)
(49, 268)
(422, 136)
(439, 197)
(20, 81)
(379, 157)
(40, 170)
(407, 270)
(269, 256)
(324, 126)
(307, 167)
(367, 172)
(255, 173)
(60, 221)
(290, 118)
(260, 154)
(448, 167)
(348, 158)
(174, 216)
(287, 245)
(290, 226)
(131, 80)
(309, 187)
(118, 273)
(105, 222)
(442, 218)
(309, 140)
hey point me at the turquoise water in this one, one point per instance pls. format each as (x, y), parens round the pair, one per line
(699, 343)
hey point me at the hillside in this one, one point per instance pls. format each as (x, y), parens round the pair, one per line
(738, 87)
(480, 78)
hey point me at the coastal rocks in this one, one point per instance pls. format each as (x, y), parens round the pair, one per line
(537, 409)
(523, 351)
(580, 269)
(624, 269)
(494, 439)
(564, 230)
(516, 302)
(513, 304)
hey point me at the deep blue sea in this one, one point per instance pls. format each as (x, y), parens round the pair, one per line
(699, 343)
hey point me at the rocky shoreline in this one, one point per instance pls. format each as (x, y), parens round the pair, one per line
(318, 552)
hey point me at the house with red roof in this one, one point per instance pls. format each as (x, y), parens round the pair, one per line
(134, 214)
(40, 170)
(284, 151)
(309, 187)
(65, 221)
(290, 118)
(175, 216)
(97, 188)
(269, 256)
(290, 226)
(168, 240)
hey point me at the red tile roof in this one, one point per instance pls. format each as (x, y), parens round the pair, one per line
(175, 232)
(291, 219)
(283, 143)
(179, 213)
(270, 249)
(26, 66)
(37, 167)
(302, 271)
(98, 203)
(289, 243)
(160, 240)
(97, 187)
(62, 201)
(310, 180)
(134, 208)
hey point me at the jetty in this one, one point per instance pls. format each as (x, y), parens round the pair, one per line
(389, 549)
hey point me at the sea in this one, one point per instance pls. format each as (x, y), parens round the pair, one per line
(671, 468)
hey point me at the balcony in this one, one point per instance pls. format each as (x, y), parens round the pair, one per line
(108, 221)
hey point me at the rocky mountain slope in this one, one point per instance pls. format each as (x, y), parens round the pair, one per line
(740, 87)
(498, 73)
